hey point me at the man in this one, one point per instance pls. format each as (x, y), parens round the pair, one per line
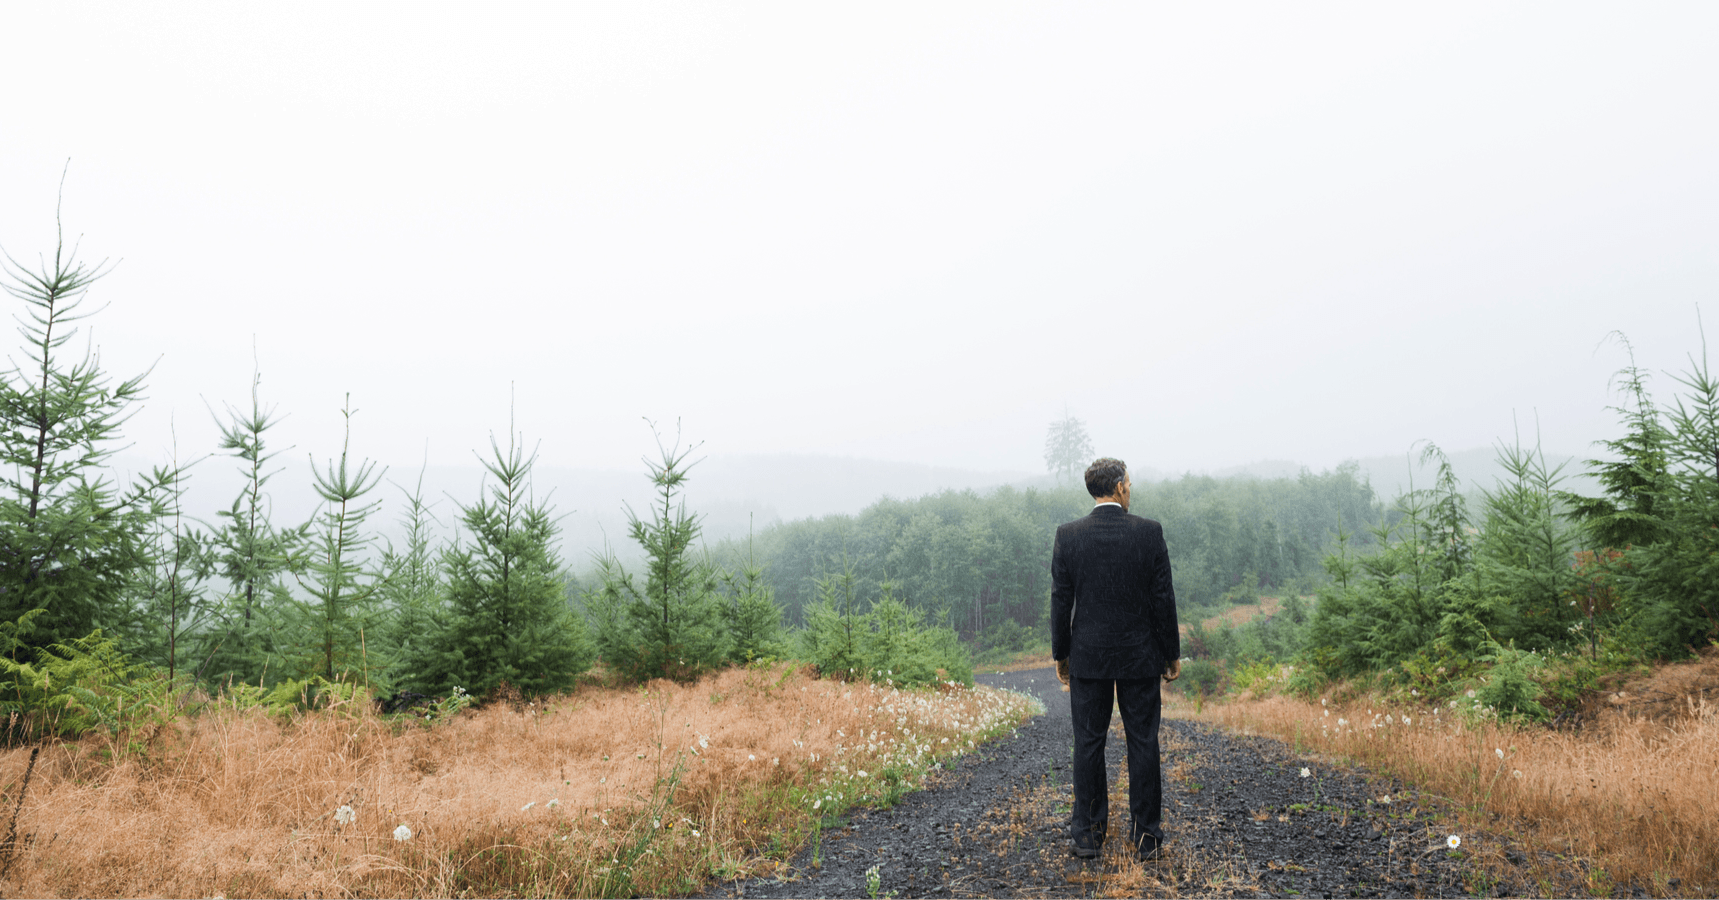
(1113, 635)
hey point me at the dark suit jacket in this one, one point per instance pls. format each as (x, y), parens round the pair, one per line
(1113, 608)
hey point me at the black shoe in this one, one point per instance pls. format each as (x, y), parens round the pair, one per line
(1151, 849)
(1087, 844)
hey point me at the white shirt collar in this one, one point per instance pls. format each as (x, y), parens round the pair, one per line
(1107, 503)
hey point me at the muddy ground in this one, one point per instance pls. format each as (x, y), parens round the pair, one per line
(1239, 818)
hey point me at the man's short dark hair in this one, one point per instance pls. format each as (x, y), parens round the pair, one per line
(1104, 476)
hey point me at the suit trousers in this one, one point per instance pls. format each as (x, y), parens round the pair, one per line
(1140, 702)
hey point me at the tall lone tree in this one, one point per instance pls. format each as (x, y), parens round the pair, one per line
(70, 539)
(1067, 447)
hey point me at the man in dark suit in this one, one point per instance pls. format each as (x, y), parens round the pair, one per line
(1113, 635)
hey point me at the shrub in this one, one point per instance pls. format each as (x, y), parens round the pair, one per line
(1510, 690)
(1203, 676)
(82, 685)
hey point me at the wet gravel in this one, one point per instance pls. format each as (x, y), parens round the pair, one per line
(1239, 818)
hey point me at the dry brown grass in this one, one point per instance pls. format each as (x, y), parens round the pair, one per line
(1629, 799)
(237, 803)
(1241, 615)
(1033, 660)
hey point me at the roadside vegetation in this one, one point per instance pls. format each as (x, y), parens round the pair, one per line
(1619, 803)
(1549, 662)
(605, 790)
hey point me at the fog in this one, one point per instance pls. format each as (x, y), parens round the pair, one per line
(891, 234)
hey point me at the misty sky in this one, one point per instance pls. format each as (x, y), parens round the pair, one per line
(916, 232)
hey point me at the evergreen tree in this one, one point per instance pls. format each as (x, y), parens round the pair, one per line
(753, 618)
(249, 553)
(168, 594)
(1446, 528)
(1624, 514)
(1674, 583)
(412, 589)
(672, 626)
(506, 615)
(70, 539)
(835, 635)
(1522, 565)
(325, 633)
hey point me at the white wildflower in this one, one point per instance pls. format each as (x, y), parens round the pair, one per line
(1499, 751)
(1471, 693)
(554, 802)
(402, 833)
(528, 806)
(345, 815)
(1453, 842)
(1516, 773)
(1306, 772)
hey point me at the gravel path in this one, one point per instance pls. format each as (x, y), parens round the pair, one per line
(1239, 818)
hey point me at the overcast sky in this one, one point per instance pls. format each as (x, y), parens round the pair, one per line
(1217, 233)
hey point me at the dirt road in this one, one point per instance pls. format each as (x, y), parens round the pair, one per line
(1240, 819)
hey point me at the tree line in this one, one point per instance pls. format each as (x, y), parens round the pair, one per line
(981, 562)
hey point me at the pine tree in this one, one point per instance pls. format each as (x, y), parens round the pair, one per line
(250, 553)
(753, 617)
(1674, 585)
(507, 618)
(836, 629)
(325, 632)
(70, 539)
(412, 589)
(168, 596)
(1625, 514)
(672, 627)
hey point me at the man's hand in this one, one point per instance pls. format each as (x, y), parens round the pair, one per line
(1175, 670)
(1062, 671)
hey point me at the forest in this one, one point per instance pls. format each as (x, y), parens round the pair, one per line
(981, 563)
